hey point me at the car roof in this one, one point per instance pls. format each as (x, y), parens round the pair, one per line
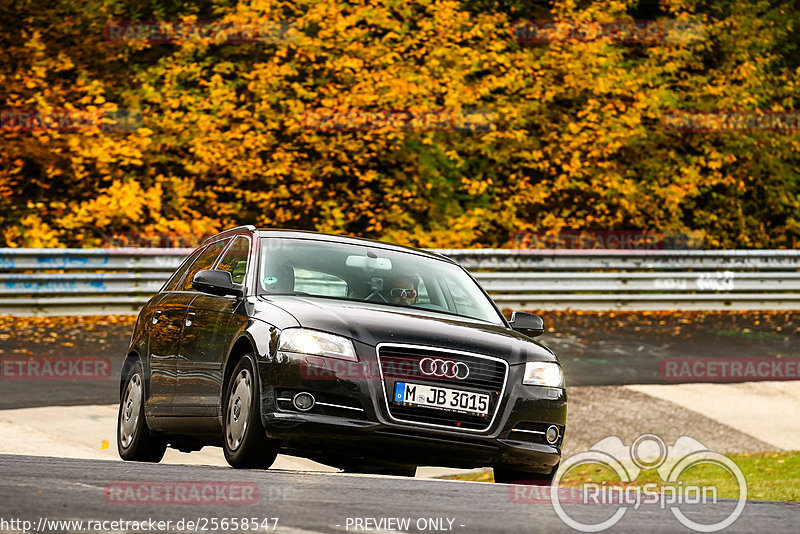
(318, 236)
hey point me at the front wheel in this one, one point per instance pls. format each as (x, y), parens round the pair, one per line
(244, 439)
(135, 443)
(512, 476)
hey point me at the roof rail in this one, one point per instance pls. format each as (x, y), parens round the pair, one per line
(248, 227)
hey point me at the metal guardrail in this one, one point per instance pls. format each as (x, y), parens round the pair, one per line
(505, 259)
(120, 281)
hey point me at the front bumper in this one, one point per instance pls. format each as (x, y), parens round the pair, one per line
(352, 423)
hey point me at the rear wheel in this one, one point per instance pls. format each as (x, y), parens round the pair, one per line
(135, 442)
(244, 439)
(513, 476)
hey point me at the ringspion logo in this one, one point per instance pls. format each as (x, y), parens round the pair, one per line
(646, 452)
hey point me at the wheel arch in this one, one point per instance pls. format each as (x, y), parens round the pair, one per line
(130, 361)
(261, 339)
(242, 346)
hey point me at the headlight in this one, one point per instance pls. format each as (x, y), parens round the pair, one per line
(307, 341)
(547, 374)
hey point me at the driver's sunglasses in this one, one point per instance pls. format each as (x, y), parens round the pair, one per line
(401, 293)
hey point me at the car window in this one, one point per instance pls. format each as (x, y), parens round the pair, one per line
(235, 259)
(177, 277)
(424, 297)
(204, 261)
(463, 304)
(319, 283)
(369, 273)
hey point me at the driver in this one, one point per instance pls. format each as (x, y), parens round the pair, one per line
(402, 289)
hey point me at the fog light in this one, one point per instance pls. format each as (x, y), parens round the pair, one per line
(552, 434)
(303, 401)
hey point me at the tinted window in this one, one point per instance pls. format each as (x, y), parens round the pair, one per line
(235, 259)
(319, 283)
(178, 276)
(368, 273)
(463, 301)
(205, 261)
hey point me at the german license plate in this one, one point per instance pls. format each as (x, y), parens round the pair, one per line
(451, 400)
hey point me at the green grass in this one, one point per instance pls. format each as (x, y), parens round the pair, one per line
(772, 476)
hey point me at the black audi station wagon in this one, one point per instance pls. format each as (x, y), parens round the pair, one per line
(358, 354)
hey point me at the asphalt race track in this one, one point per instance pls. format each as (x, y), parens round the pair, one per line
(38, 487)
(32, 488)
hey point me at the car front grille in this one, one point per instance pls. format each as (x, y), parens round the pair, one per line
(401, 363)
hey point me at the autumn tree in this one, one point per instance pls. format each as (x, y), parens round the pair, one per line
(573, 133)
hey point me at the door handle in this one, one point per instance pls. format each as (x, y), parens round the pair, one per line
(156, 316)
(189, 318)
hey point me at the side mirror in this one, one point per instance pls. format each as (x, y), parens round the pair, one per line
(527, 323)
(216, 283)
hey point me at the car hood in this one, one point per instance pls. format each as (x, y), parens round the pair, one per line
(373, 323)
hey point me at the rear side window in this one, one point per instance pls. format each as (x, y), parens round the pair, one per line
(179, 274)
(235, 259)
(204, 261)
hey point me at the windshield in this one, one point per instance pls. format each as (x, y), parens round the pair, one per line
(370, 274)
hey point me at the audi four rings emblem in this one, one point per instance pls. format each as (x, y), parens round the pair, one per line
(444, 368)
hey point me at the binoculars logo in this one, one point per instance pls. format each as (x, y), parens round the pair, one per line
(647, 452)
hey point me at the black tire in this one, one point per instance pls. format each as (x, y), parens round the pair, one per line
(135, 442)
(244, 439)
(513, 476)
